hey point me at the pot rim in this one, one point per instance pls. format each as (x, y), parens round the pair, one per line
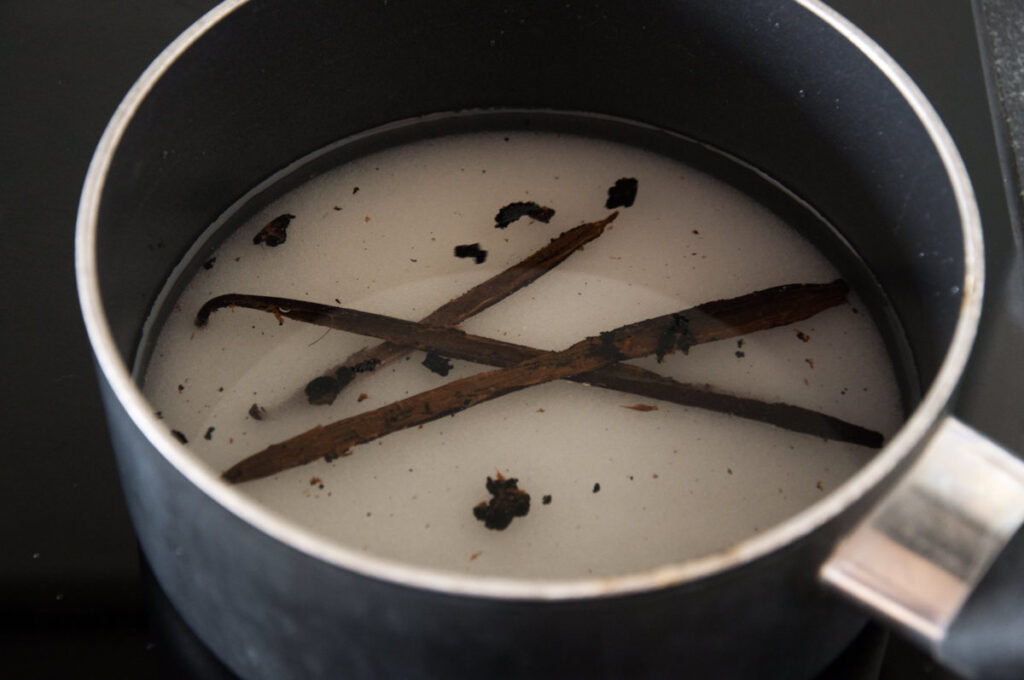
(917, 428)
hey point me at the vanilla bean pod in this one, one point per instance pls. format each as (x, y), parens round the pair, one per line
(457, 344)
(660, 335)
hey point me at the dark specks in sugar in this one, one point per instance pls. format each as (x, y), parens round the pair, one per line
(437, 363)
(622, 194)
(473, 251)
(513, 211)
(507, 502)
(274, 233)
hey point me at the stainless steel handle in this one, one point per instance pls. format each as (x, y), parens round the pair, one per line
(918, 556)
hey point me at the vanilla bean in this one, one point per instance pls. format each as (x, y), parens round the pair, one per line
(457, 344)
(474, 300)
(662, 335)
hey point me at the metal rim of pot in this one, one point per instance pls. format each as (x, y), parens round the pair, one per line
(917, 428)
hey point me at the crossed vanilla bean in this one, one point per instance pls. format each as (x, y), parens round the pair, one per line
(660, 335)
(456, 344)
(324, 389)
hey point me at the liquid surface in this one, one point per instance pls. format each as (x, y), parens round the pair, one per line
(629, 488)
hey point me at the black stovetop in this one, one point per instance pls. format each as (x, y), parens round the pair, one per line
(76, 599)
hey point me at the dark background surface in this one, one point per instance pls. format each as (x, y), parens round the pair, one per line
(75, 597)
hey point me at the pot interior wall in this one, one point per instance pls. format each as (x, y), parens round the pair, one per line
(767, 83)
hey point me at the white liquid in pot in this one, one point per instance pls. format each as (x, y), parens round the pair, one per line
(674, 483)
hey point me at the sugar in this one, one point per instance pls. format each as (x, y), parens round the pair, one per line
(675, 482)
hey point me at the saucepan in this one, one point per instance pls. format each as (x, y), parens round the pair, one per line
(916, 537)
